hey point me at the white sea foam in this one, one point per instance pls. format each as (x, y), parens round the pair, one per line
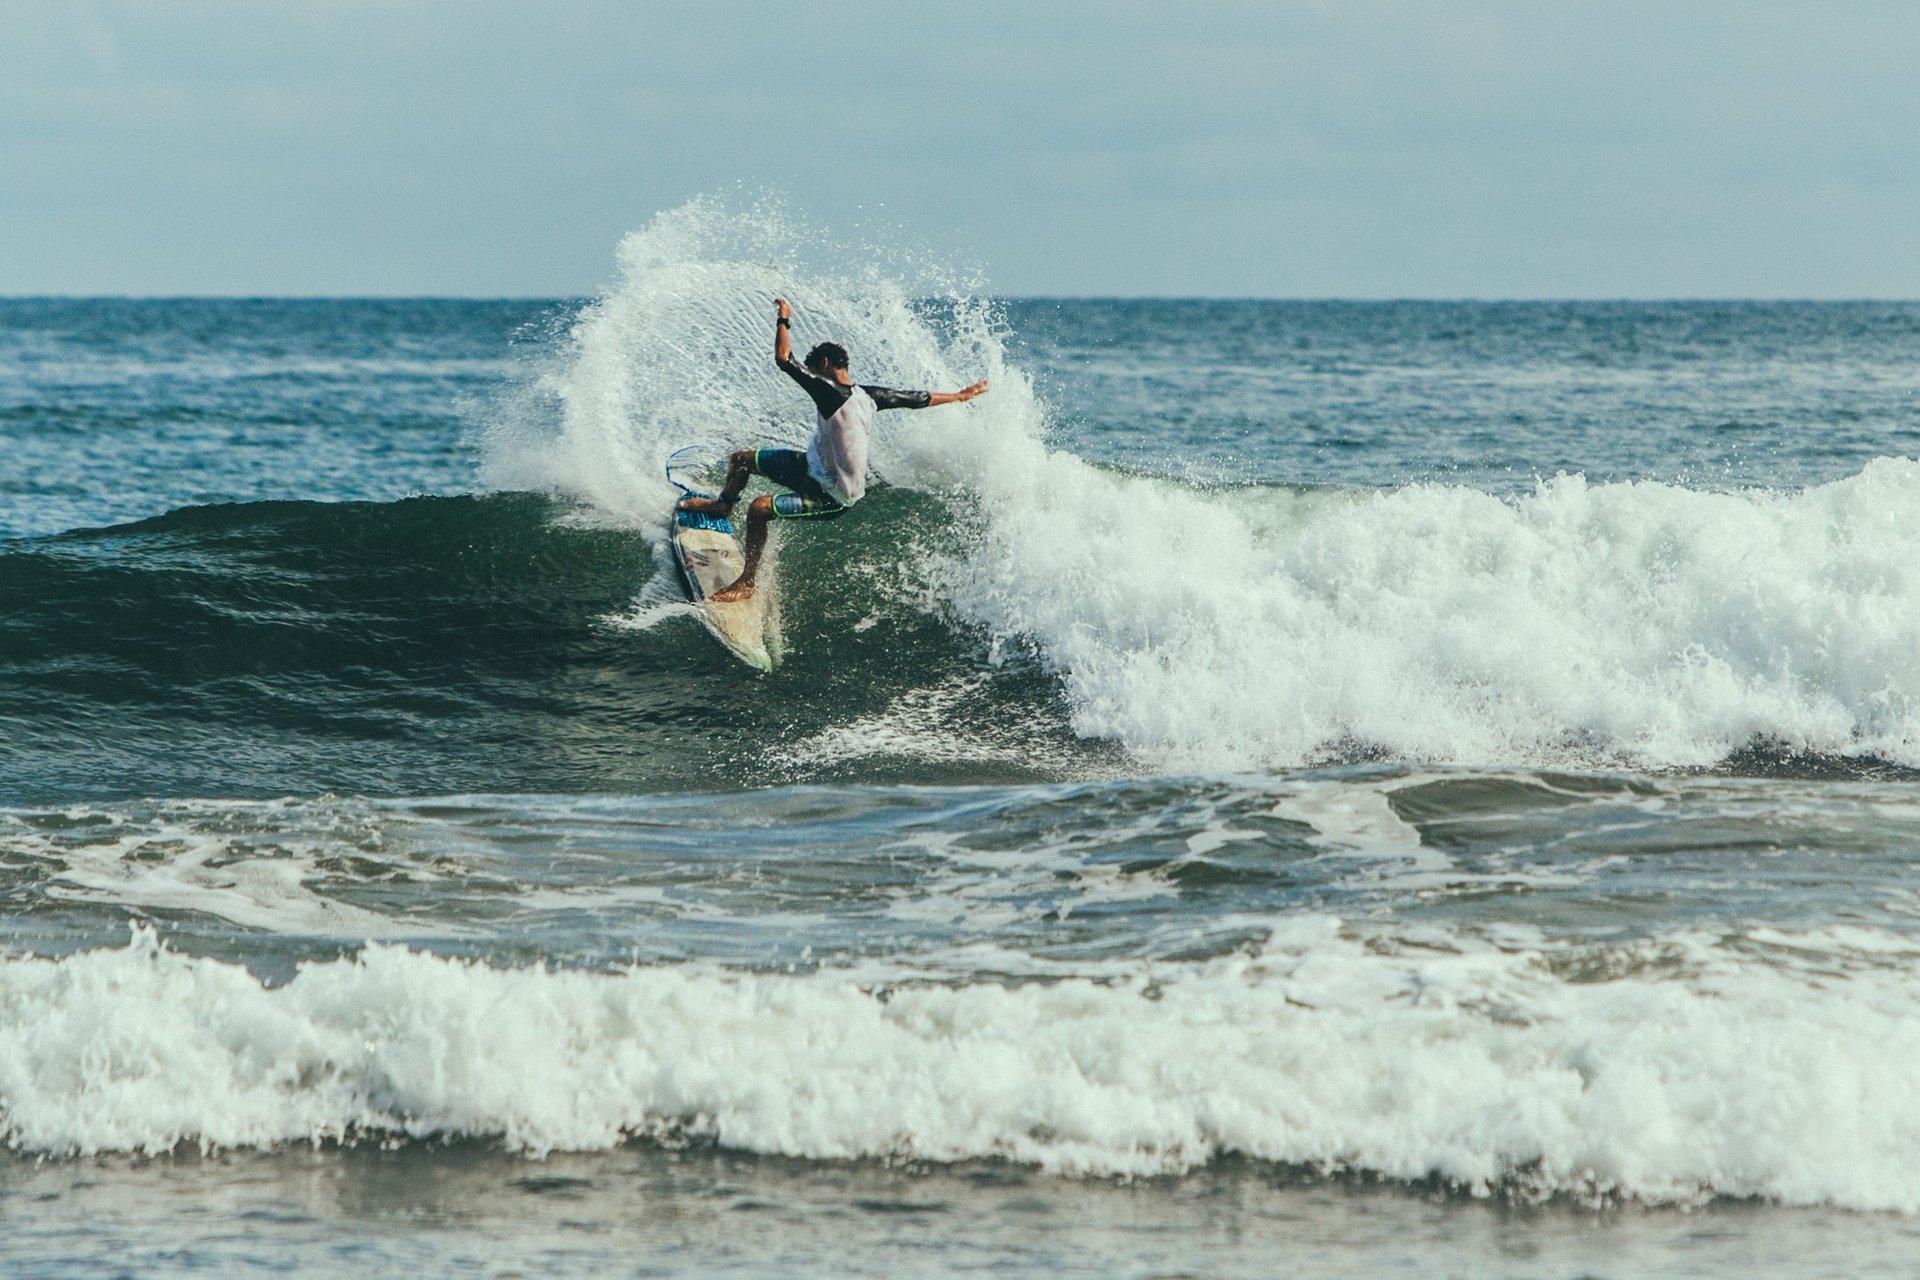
(934, 723)
(1578, 624)
(1636, 622)
(217, 858)
(660, 599)
(1345, 816)
(1478, 1064)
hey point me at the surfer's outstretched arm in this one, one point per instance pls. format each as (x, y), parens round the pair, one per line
(889, 398)
(961, 396)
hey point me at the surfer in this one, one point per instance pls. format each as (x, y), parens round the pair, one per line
(831, 475)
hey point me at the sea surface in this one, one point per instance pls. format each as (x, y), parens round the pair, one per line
(1272, 788)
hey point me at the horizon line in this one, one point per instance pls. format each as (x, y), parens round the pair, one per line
(1836, 299)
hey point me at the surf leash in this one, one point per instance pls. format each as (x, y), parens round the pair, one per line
(689, 448)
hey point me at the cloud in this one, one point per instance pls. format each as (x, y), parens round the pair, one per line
(1355, 149)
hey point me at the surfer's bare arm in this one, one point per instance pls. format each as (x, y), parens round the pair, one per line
(782, 344)
(957, 397)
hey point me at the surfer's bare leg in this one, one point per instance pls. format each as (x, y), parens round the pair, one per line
(759, 516)
(739, 467)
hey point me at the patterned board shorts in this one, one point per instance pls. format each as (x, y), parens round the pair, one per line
(788, 469)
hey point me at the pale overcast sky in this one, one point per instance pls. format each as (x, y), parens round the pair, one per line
(1356, 148)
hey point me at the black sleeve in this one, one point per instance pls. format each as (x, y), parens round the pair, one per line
(888, 398)
(827, 395)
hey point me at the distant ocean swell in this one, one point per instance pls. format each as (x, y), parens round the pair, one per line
(1685, 1073)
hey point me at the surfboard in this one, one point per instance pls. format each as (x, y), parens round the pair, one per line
(710, 558)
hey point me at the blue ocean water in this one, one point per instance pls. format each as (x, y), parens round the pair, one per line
(1274, 785)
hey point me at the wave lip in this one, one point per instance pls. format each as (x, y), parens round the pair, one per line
(1689, 1074)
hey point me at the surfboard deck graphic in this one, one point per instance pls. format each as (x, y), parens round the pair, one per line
(710, 558)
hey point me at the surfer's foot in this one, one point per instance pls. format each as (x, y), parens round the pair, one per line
(704, 505)
(734, 594)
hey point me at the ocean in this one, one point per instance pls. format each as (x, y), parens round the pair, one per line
(1325, 788)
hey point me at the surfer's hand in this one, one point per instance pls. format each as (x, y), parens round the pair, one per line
(956, 397)
(781, 309)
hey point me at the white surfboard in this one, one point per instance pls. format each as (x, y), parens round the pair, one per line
(712, 560)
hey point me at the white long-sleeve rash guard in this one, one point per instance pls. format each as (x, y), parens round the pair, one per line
(837, 454)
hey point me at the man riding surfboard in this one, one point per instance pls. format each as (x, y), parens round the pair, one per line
(831, 475)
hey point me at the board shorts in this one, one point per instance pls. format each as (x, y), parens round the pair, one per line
(788, 469)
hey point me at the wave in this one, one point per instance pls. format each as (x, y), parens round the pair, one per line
(506, 642)
(1265, 626)
(1689, 1072)
(467, 643)
(501, 642)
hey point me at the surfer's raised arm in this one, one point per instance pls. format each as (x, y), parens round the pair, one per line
(783, 321)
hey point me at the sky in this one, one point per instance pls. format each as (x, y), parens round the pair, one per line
(1268, 148)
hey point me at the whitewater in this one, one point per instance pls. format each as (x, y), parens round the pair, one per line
(1483, 1067)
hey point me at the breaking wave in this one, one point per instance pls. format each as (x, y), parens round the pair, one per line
(1666, 1071)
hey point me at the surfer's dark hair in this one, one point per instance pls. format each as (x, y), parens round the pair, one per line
(828, 355)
